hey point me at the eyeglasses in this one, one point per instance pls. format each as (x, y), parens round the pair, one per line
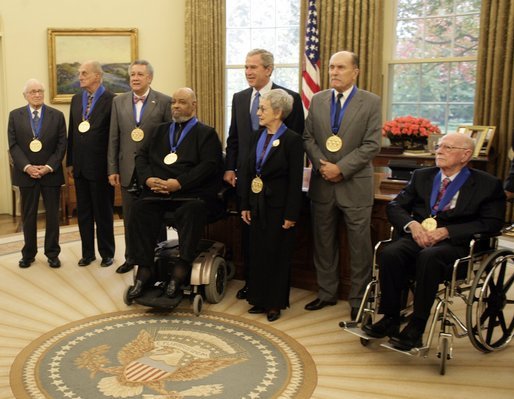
(34, 92)
(447, 147)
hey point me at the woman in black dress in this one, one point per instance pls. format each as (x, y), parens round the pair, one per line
(271, 202)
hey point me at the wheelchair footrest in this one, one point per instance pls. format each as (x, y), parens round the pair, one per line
(156, 298)
(413, 352)
(353, 328)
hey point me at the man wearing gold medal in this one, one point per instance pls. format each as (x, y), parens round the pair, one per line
(435, 215)
(86, 159)
(342, 136)
(37, 143)
(134, 116)
(180, 168)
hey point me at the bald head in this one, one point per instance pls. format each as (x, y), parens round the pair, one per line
(454, 152)
(183, 104)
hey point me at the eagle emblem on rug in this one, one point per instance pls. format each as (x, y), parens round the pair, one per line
(160, 359)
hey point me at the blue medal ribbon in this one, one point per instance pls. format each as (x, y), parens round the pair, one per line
(260, 157)
(189, 125)
(36, 129)
(96, 95)
(451, 190)
(337, 124)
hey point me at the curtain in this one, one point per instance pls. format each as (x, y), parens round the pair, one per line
(494, 101)
(205, 58)
(354, 25)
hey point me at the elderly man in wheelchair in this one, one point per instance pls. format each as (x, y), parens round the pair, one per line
(435, 216)
(180, 168)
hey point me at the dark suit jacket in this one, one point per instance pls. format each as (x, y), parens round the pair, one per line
(122, 149)
(509, 181)
(480, 206)
(87, 152)
(240, 134)
(53, 138)
(198, 168)
(282, 175)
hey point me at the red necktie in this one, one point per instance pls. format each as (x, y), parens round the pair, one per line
(444, 185)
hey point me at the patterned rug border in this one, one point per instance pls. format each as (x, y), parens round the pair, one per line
(16, 373)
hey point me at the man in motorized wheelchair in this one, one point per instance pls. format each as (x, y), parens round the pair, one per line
(435, 215)
(180, 169)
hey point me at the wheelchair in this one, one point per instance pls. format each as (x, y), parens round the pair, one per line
(484, 280)
(210, 271)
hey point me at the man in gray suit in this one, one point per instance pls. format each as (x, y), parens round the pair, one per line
(342, 135)
(37, 143)
(134, 116)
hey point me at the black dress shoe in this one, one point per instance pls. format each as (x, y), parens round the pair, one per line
(318, 304)
(107, 261)
(25, 262)
(387, 326)
(173, 289)
(126, 267)
(86, 261)
(54, 262)
(273, 315)
(410, 337)
(242, 293)
(256, 310)
(136, 290)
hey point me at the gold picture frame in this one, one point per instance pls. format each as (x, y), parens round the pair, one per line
(483, 136)
(114, 48)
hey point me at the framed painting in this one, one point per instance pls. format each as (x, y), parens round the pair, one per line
(115, 49)
(483, 136)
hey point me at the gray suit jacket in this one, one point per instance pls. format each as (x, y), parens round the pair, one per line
(361, 134)
(122, 149)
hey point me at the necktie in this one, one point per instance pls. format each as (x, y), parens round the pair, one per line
(36, 118)
(338, 111)
(139, 98)
(444, 185)
(178, 131)
(253, 112)
(88, 106)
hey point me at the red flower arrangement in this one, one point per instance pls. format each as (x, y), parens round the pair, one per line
(409, 128)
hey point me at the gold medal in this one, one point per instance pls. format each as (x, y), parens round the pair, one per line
(84, 126)
(257, 185)
(170, 158)
(429, 224)
(35, 145)
(137, 134)
(334, 143)
(276, 143)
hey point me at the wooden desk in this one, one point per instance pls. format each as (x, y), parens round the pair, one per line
(303, 274)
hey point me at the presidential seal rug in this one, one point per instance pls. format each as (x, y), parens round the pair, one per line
(138, 354)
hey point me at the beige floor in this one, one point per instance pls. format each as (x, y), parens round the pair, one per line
(38, 299)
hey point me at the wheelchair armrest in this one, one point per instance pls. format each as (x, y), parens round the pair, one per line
(485, 236)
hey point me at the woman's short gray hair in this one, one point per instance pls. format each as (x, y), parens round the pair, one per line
(281, 100)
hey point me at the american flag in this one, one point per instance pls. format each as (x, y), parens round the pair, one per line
(310, 70)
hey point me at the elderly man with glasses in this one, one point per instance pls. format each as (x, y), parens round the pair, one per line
(436, 215)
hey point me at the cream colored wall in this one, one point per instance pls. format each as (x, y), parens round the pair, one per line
(23, 48)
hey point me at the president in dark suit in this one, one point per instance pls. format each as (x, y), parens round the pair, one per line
(37, 143)
(436, 215)
(88, 138)
(244, 124)
(342, 136)
(180, 168)
(134, 116)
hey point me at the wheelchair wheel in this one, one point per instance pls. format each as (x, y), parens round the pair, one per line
(197, 304)
(215, 290)
(443, 355)
(490, 306)
(231, 269)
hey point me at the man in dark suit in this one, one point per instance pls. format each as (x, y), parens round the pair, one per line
(134, 116)
(37, 143)
(436, 215)
(88, 137)
(244, 124)
(342, 136)
(180, 168)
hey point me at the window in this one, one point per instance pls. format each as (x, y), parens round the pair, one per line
(433, 70)
(270, 24)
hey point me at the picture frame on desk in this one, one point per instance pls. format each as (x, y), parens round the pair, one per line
(114, 48)
(433, 139)
(483, 136)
